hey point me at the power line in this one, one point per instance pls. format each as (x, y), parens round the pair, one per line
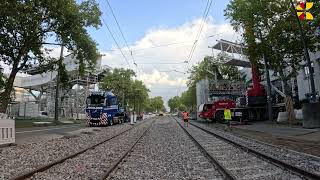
(155, 63)
(115, 41)
(121, 32)
(204, 19)
(158, 46)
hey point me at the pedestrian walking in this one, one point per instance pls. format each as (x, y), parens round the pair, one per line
(227, 118)
(185, 118)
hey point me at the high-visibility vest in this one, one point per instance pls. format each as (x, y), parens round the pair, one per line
(227, 114)
(185, 115)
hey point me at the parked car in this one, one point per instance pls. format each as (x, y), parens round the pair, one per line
(43, 114)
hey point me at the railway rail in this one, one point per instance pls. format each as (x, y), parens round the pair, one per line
(43, 168)
(117, 162)
(236, 161)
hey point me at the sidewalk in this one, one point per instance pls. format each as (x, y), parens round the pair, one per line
(295, 137)
(283, 130)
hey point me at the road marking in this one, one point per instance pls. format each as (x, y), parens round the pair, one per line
(39, 130)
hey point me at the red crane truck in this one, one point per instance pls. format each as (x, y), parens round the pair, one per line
(247, 106)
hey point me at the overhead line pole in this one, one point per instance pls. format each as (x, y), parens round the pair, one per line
(306, 54)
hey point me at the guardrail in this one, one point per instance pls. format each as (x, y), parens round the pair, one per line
(7, 130)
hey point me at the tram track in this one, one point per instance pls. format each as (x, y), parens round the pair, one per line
(236, 161)
(46, 167)
(124, 155)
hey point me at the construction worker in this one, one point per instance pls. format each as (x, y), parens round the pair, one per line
(185, 118)
(227, 117)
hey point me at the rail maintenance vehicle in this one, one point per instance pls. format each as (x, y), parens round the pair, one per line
(103, 109)
(245, 103)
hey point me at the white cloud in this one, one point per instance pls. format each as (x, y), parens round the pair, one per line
(151, 61)
(161, 79)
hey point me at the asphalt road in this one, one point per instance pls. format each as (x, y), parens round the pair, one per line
(26, 135)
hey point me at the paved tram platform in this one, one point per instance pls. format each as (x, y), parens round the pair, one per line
(283, 130)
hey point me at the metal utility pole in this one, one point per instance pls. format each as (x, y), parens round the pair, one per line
(56, 102)
(266, 67)
(306, 54)
(76, 102)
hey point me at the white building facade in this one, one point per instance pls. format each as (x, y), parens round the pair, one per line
(303, 78)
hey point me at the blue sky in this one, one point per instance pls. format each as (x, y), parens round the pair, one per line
(147, 23)
(136, 17)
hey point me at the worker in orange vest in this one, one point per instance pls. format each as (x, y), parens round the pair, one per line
(185, 118)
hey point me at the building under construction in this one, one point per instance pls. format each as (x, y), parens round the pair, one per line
(34, 94)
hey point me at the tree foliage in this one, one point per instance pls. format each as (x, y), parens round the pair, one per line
(25, 26)
(269, 27)
(211, 67)
(174, 103)
(130, 92)
(155, 104)
(2, 80)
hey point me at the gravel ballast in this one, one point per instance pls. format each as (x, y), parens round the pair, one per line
(166, 152)
(93, 163)
(307, 162)
(238, 162)
(22, 158)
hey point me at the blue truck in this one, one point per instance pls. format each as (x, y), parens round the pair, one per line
(103, 109)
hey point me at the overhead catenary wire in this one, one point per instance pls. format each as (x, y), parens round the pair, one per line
(158, 46)
(122, 34)
(204, 19)
(115, 41)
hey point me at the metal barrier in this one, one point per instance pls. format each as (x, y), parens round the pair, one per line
(7, 130)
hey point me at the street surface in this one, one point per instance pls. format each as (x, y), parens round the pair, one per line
(34, 134)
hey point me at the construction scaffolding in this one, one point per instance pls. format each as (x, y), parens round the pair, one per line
(40, 89)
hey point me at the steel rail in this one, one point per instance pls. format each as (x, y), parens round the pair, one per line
(116, 163)
(274, 161)
(224, 172)
(59, 161)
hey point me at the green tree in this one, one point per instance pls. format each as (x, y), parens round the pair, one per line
(129, 92)
(25, 26)
(156, 104)
(188, 98)
(182, 107)
(138, 95)
(211, 67)
(119, 82)
(174, 103)
(2, 80)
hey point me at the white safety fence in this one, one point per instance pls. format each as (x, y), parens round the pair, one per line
(7, 130)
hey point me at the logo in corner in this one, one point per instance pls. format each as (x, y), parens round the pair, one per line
(302, 10)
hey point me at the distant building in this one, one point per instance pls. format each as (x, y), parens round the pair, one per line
(202, 92)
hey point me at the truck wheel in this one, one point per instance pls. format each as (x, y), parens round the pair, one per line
(219, 116)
